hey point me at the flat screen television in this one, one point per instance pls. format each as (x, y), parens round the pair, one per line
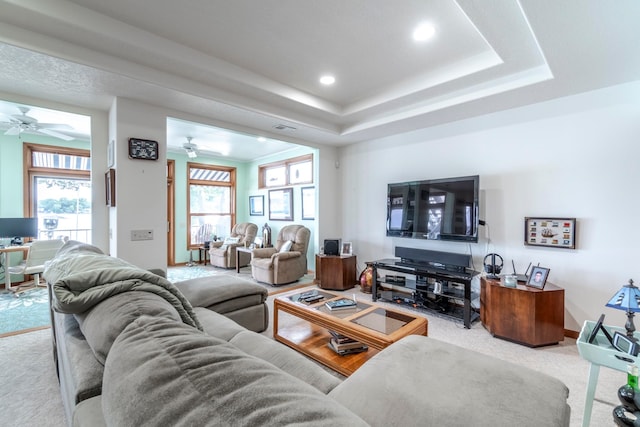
(18, 227)
(435, 209)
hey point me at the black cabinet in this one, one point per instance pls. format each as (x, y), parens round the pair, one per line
(444, 291)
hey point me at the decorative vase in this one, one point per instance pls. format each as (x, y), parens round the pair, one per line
(366, 278)
(266, 236)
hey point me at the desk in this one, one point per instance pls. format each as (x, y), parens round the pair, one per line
(5, 260)
(600, 353)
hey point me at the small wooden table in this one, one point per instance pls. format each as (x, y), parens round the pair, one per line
(203, 252)
(337, 272)
(305, 328)
(530, 316)
(241, 250)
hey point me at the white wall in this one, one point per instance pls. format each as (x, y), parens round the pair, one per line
(573, 157)
(141, 185)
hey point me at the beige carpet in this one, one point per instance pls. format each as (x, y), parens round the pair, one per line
(29, 394)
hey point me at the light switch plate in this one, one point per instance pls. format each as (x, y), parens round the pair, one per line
(137, 235)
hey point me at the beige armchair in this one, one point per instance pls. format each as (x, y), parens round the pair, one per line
(223, 254)
(277, 266)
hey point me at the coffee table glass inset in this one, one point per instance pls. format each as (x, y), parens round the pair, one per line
(304, 327)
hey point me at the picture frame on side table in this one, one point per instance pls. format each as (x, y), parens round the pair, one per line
(346, 249)
(256, 205)
(281, 204)
(308, 202)
(110, 187)
(538, 277)
(550, 232)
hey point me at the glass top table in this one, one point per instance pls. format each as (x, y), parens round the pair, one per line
(305, 326)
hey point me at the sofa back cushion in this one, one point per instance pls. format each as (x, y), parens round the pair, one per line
(103, 323)
(159, 372)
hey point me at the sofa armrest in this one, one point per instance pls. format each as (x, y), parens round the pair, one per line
(281, 256)
(263, 252)
(216, 244)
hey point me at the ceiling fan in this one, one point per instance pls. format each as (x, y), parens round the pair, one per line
(19, 123)
(191, 149)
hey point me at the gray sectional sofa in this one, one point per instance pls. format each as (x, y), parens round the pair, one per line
(134, 350)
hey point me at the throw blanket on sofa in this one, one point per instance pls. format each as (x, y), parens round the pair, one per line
(82, 278)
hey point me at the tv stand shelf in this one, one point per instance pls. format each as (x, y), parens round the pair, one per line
(444, 291)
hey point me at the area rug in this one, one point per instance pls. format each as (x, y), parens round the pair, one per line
(29, 310)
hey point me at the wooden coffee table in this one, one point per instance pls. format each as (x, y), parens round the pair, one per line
(305, 327)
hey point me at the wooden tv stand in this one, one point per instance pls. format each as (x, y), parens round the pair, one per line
(525, 315)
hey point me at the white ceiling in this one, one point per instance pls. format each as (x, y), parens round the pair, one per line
(256, 64)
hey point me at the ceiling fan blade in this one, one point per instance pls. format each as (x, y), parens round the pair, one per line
(13, 131)
(56, 134)
(58, 126)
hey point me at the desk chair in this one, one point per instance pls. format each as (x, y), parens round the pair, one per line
(40, 251)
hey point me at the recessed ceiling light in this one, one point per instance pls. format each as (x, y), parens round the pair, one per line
(262, 139)
(327, 80)
(423, 32)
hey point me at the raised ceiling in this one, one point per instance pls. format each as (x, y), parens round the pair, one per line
(256, 64)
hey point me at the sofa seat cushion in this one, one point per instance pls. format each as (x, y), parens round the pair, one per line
(104, 322)
(222, 293)
(160, 372)
(217, 325)
(448, 385)
(285, 358)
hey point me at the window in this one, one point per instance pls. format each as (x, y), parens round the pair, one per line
(211, 202)
(298, 170)
(58, 191)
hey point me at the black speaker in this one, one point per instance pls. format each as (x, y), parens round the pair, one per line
(332, 246)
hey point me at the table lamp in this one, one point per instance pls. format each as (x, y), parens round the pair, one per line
(627, 298)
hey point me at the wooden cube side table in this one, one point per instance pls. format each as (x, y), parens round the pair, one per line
(337, 272)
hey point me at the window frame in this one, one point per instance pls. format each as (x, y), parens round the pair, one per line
(232, 194)
(287, 164)
(31, 172)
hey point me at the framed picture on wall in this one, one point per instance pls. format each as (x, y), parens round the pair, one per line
(281, 204)
(110, 187)
(308, 202)
(256, 205)
(550, 232)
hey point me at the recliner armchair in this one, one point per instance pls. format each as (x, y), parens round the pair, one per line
(223, 254)
(277, 266)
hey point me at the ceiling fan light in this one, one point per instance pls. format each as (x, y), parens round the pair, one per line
(192, 154)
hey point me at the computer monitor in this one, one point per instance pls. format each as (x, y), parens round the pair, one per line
(18, 227)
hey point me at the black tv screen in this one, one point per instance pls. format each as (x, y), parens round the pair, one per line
(436, 209)
(18, 227)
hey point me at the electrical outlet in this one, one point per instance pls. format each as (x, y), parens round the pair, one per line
(141, 235)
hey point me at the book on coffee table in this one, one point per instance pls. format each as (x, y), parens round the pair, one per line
(350, 348)
(341, 339)
(341, 304)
